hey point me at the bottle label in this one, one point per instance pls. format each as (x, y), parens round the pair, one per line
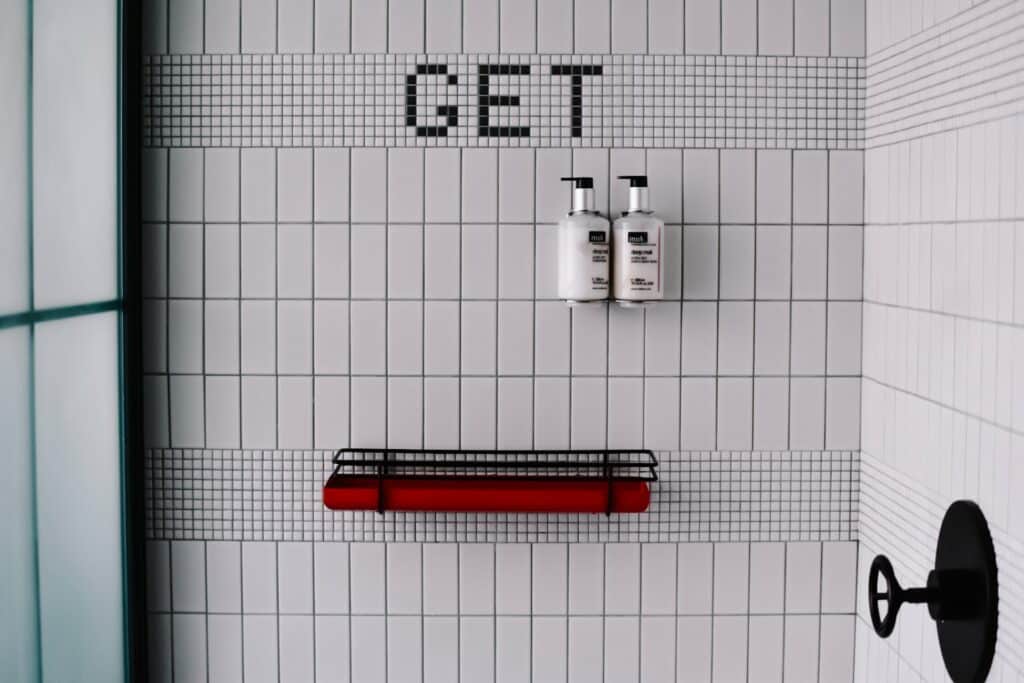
(584, 259)
(599, 252)
(638, 268)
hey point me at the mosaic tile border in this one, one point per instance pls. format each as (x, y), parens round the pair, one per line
(392, 100)
(701, 496)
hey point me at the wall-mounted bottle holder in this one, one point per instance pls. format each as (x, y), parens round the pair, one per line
(961, 593)
(491, 481)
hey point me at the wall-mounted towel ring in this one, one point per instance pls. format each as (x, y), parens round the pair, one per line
(961, 593)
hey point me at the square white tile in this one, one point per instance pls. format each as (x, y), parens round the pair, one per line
(367, 573)
(512, 578)
(550, 578)
(622, 578)
(476, 578)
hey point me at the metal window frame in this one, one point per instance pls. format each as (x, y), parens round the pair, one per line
(127, 305)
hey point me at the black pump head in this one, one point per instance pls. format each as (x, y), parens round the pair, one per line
(581, 182)
(635, 180)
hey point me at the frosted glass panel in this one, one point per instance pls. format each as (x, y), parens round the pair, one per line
(18, 649)
(79, 499)
(14, 156)
(74, 151)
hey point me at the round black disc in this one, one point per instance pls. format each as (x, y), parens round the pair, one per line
(965, 543)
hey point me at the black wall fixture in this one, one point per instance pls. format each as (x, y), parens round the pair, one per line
(962, 594)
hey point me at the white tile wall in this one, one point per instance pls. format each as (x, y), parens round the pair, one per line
(215, 494)
(302, 294)
(943, 345)
(465, 621)
(805, 115)
(413, 313)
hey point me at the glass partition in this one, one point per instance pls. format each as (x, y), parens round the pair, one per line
(63, 579)
(18, 625)
(78, 499)
(74, 151)
(14, 150)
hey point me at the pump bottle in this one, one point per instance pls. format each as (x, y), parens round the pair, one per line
(638, 268)
(583, 248)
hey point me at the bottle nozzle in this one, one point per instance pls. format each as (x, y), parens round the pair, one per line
(634, 180)
(638, 200)
(580, 182)
(582, 193)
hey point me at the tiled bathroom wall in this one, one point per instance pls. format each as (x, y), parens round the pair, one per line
(310, 297)
(320, 275)
(943, 413)
(581, 612)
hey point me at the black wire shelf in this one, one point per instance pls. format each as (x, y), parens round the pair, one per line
(491, 480)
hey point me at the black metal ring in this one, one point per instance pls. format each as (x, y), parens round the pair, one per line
(881, 566)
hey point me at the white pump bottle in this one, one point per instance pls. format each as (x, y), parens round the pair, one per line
(583, 248)
(638, 267)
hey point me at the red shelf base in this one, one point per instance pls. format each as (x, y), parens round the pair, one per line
(485, 494)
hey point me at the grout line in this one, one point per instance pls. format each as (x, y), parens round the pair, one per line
(170, 602)
(721, 38)
(277, 305)
(240, 299)
(785, 597)
(604, 611)
(718, 286)
(494, 615)
(789, 306)
(750, 552)
(387, 305)
(348, 577)
(202, 303)
(348, 292)
(608, 314)
(462, 237)
(675, 613)
(682, 306)
(241, 604)
(206, 607)
(301, 223)
(167, 292)
(497, 283)
(640, 614)
(821, 577)
(571, 314)
(423, 294)
(753, 322)
(453, 375)
(533, 336)
(458, 605)
(713, 610)
(423, 621)
(643, 353)
(277, 604)
(312, 360)
(828, 263)
(504, 615)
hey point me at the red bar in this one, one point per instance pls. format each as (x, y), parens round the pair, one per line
(486, 494)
